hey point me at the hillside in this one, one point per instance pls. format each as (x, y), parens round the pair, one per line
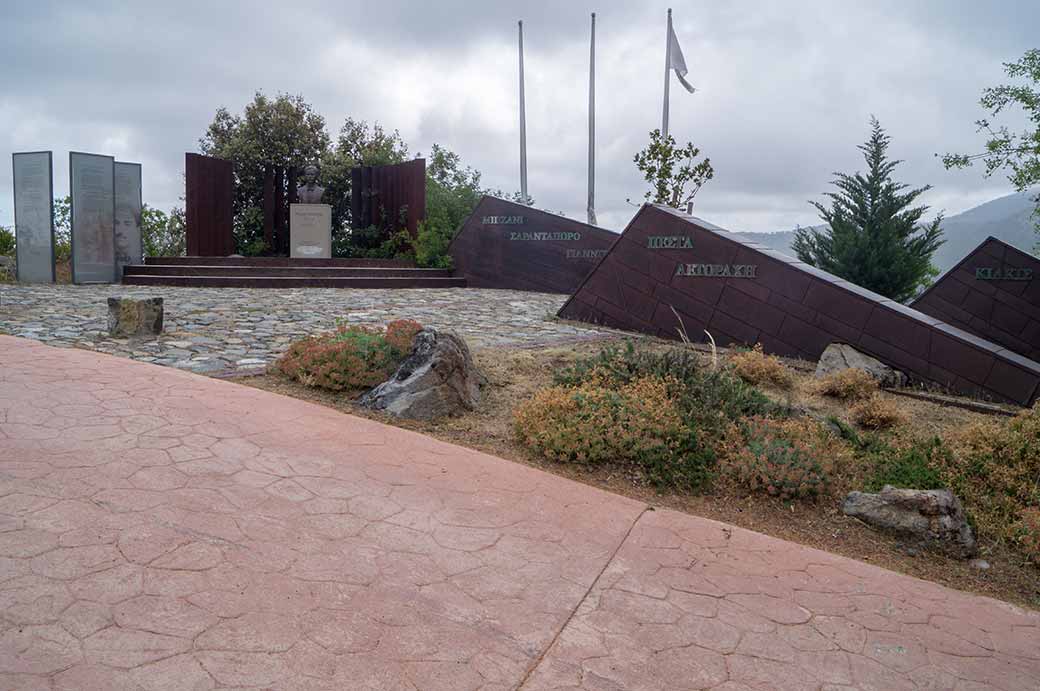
(1006, 218)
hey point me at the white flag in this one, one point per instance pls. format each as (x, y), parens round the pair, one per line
(676, 60)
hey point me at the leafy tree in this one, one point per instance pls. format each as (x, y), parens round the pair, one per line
(874, 236)
(162, 234)
(6, 242)
(452, 192)
(671, 171)
(358, 144)
(62, 229)
(283, 131)
(1018, 154)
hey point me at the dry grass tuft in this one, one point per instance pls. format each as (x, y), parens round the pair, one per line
(755, 367)
(877, 413)
(847, 385)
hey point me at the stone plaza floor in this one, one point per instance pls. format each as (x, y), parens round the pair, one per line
(211, 330)
(162, 530)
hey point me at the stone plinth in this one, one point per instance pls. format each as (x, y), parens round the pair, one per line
(129, 318)
(310, 231)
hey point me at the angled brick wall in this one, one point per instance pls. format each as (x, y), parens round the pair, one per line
(744, 293)
(508, 245)
(994, 292)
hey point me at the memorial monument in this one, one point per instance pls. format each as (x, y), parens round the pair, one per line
(994, 292)
(129, 245)
(91, 183)
(670, 270)
(310, 221)
(34, 216)
(513, 246)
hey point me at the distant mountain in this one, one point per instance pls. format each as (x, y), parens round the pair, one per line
(1006, 218)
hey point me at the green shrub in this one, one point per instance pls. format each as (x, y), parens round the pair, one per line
(995, 470)
(348, 359)
(702, 394)
(638, 424)
(662, 412)
(781, 457)
(6, 242)
(912, 468)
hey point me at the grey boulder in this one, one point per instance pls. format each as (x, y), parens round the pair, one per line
(437, 379)
(129, 318)
(931, 518)
(841, 356)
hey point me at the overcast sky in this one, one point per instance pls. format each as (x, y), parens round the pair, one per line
(785, 89)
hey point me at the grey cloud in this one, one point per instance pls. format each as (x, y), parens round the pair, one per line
(785, 89)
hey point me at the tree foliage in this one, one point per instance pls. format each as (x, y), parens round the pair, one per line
(1018, 154)
(6, 242)
(286, 131)
(874, 236)
(283, 131)
(452, 192)
(162, 234)
(672, 171)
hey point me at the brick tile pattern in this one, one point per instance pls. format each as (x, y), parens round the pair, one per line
(162, 530)
(487, 257)
(791, 308)
(689, 603)
(1004, 311)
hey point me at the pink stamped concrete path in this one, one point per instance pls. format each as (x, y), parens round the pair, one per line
(161, 530)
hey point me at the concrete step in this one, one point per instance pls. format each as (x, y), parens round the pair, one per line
(277, 261)
(284, 271)
(267, 281)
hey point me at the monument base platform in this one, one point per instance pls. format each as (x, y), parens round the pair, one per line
(283, 272)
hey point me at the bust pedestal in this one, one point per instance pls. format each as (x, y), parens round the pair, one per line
(310, 231)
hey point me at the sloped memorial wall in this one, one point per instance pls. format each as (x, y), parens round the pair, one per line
(744, 293)
(994, 293)
(507, 245)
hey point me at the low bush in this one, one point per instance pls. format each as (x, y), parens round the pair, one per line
(350, 358)
(755, 367)
(7, 245)
(915, 467)
(847, 385)
(661, 411)
(995, 470)
(791, 458)
(709, 397)
(638, 424)
(1029, 533)
(877, 413)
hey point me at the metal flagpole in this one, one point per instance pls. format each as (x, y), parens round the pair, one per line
(592, 124)
(523, 122)
(667, 69)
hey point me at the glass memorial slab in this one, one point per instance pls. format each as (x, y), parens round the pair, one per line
(34, 215)
(91, 183)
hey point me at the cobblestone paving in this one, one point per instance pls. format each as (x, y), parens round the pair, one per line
(211, 330)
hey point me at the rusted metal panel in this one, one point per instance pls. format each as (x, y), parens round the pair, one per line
(390, 197)
(209, 196)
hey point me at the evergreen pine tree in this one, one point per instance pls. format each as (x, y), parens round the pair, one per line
(874, 236)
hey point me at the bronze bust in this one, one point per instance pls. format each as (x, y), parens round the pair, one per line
(309, 192)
